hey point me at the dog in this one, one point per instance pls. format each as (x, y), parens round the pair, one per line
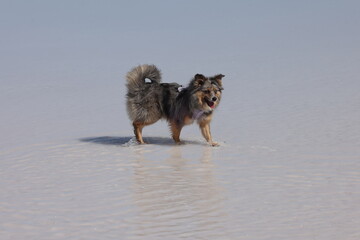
(149, 100)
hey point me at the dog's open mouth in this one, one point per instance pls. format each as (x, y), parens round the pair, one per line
(210, 103)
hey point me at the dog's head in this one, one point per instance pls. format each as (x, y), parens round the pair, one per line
(208, 91)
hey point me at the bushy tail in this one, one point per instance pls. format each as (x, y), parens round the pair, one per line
(136, 77)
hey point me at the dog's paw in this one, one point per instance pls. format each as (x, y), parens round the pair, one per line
(214, 144)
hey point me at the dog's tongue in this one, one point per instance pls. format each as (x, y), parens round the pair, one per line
(211, 104)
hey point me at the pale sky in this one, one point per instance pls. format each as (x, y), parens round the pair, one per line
(197, 34)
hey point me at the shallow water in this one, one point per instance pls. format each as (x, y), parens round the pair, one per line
(108, 188)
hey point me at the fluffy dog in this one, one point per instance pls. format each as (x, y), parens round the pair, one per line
(149, 100)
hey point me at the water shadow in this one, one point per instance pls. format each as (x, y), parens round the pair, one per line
(130, 141)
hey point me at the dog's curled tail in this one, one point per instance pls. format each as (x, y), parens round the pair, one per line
(136, 77)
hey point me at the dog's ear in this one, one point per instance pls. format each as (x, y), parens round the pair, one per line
(199, 80)
(217, 79)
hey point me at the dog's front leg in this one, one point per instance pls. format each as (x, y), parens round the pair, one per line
(175, 131)
(205, 130)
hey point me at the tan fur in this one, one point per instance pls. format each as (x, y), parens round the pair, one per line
(200, 97)
(188, 120)
(204, 125)
(175, 132)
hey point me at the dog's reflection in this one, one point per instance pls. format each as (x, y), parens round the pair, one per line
(177, 195)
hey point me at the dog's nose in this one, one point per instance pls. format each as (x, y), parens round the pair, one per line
(214, 99)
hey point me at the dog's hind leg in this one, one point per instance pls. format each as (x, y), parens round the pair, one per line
(138, 126)
(175, 132)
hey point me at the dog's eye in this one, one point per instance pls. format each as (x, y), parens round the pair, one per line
(206, 91)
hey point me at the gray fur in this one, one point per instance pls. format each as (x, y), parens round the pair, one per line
(136, 77)
(148, 102)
